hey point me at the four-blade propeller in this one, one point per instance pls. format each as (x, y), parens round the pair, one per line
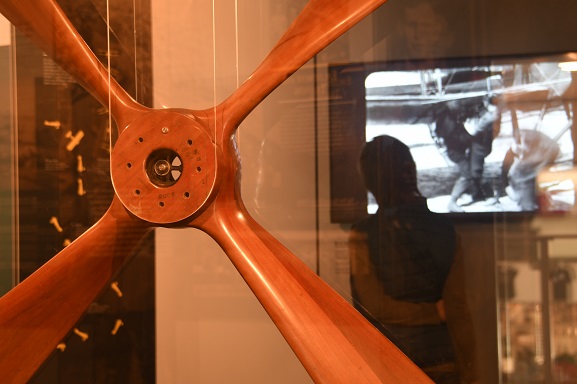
(332, 340)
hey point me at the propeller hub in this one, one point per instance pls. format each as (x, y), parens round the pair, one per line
(164, 167)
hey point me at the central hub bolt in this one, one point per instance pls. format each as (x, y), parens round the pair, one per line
(162, 167)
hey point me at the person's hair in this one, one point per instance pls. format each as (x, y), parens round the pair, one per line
(389, 171)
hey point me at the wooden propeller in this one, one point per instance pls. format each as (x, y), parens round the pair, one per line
(332, 340)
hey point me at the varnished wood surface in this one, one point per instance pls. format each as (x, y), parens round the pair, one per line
(170, 130)
(333, 341)
(320, 23)
(44, 22)
(37, 314)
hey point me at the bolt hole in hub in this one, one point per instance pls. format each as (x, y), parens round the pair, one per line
(164, 167)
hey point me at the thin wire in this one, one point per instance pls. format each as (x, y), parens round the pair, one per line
(214, 70)
(14, 159)
(108, 56)
(316, 160)
(236, 56)
(135, 36)
(236, 42)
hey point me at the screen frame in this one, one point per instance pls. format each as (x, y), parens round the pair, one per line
(348, 119)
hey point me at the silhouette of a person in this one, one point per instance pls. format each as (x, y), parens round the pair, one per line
(407, 268)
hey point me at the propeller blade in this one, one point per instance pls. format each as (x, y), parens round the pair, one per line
(333, 341)
(320, 23)
(39, 312)
(44, 22)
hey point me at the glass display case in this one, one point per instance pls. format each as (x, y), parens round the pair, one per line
(177, 310)
(57, 161)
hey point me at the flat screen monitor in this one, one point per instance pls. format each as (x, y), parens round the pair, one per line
(527, 162)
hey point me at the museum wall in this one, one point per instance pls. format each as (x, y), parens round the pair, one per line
(210, 328)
